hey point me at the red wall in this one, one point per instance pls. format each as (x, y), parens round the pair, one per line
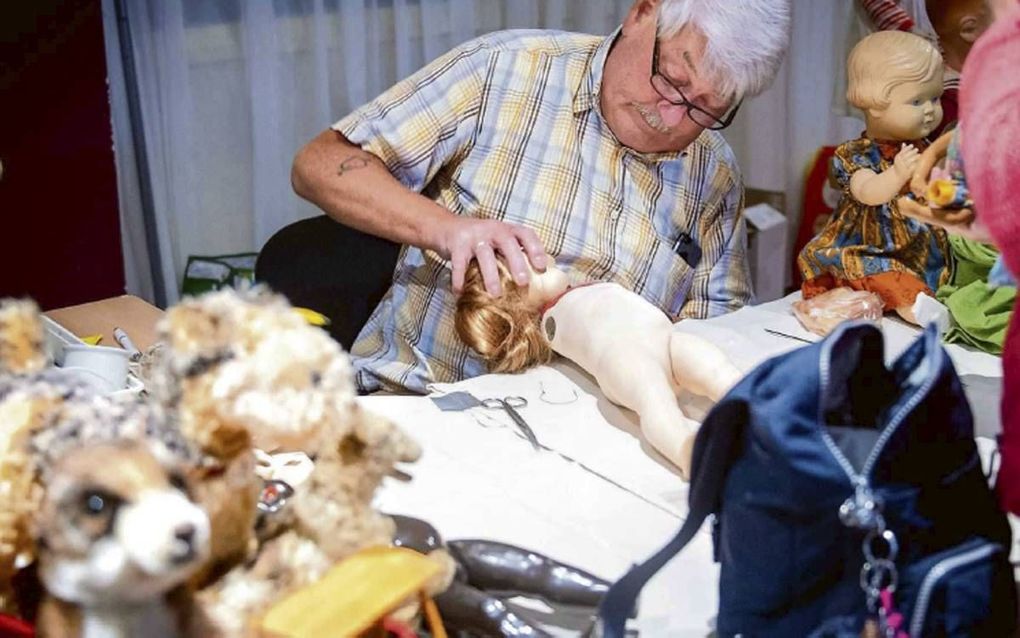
(59, 225)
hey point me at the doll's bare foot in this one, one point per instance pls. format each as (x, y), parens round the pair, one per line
(906, 313)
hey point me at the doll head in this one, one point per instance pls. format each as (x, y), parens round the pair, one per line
(958, 23)
(505, 330)
(896, 79)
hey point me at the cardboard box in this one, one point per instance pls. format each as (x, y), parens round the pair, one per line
(767, 251)
(135, 316)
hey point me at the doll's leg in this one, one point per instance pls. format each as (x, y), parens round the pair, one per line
(700, 367)
(668, 429)
(642, 381)
(906, 313)
(508, 570)
(926, 309)
(475, 613)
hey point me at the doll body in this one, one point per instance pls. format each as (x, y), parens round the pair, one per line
(639, 361)
(625, 342)
(896, 78)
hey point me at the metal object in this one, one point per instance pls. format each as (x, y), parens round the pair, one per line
(510, 405)
(274, 496)
(460, 400)
(783, 334)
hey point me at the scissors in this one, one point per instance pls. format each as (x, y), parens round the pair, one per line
(510, 405)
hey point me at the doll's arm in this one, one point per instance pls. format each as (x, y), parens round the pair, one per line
(874, 189)
(700, 367)
(926, 162)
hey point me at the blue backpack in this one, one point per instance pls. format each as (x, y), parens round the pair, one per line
(847, 497)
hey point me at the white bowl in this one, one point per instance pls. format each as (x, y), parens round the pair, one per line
(111, 364)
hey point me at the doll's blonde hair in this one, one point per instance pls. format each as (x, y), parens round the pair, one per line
(505, 331)
(885, 59)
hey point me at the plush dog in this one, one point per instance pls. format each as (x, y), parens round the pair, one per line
(117, 536)
(45, 415)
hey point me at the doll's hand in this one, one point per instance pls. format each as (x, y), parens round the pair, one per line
(906, 161)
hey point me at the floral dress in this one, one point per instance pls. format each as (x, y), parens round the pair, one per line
(873, 248)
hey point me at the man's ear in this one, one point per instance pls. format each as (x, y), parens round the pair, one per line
(875, 112)
(640, 12)
(970, 28)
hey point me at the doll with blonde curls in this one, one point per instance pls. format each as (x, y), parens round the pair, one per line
(627, 344)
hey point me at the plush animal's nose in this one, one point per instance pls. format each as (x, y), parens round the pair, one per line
(185, 533)
(184, 549)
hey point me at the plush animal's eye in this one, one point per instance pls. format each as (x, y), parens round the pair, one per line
(98, 502)
(177, 481)
(95, 503)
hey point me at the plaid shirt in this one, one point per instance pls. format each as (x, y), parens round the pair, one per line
(508, 127)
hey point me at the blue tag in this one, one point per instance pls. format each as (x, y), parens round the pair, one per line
(688, 249)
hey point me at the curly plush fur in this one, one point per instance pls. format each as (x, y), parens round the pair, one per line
(30, 399)
(245, 364)
(235, 371)
(22, 338)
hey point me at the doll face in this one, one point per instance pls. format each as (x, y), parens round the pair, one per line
(546, 285)
(914, 110)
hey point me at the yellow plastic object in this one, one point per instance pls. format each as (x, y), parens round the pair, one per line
(355, 595)
(941, 192)
(92, 340)
(312, 317)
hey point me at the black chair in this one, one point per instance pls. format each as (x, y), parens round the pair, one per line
(333, 269)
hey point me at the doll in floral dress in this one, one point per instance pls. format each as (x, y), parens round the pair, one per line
(895, 78)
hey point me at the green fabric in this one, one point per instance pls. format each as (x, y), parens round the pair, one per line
(980, 312)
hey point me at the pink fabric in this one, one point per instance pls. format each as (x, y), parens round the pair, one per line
(990, 117)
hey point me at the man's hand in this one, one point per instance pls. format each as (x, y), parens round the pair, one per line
(905, 161)
(466, 238)
(961, 221)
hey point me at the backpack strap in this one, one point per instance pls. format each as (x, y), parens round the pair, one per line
(713, 452)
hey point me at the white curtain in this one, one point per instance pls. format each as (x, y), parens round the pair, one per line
(230, 89)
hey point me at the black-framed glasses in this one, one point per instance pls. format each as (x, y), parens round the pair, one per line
(669, 92)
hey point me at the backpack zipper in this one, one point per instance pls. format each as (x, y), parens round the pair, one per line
(940, 569)
(860, 481)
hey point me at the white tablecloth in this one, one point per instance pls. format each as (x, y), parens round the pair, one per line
(601, 498)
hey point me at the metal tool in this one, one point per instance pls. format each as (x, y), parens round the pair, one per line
(783, 334)
(456, 401)
(510, 405)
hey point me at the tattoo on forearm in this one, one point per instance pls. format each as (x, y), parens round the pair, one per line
(351, 164)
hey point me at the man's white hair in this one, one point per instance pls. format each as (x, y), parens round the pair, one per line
(745, 39)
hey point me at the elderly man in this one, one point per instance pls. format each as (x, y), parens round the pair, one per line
(603, 153)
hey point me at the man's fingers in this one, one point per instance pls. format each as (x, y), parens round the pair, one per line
(532, 247)
(515, 260)
(963, 215)
(918, 184)
(458, 264)
(490, 271)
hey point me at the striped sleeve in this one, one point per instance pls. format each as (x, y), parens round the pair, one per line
(426, 120)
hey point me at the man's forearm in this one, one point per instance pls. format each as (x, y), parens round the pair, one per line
(354, 187)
